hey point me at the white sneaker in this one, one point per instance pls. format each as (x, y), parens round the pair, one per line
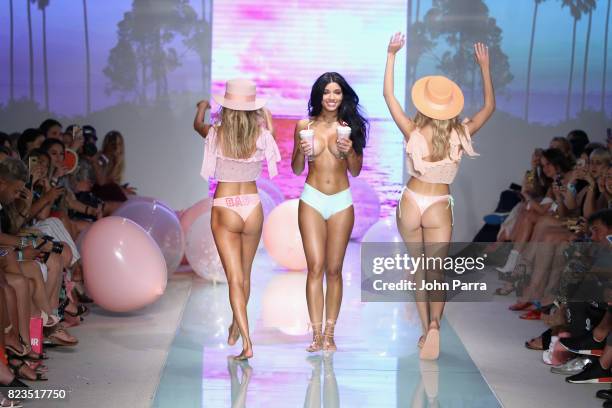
(513, 258)
(547, 354)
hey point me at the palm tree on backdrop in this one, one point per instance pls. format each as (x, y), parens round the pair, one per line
(31, 49)
(207, 16)
(42, 6)
(576, 12)
(587, 7)
(605, 62)
(536, 4)
(11, 55)
(87, 62)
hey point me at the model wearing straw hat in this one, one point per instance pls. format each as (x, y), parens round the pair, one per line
(236, 147)
(435, 140)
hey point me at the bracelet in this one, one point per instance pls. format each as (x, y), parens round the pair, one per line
(19, 256)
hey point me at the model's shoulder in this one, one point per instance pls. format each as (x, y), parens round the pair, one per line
(303, 123)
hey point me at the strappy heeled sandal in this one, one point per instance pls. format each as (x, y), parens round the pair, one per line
(49, 320)
(317, 338)
(328, 336)
(17, 371)
(12, 351)
(56, 340)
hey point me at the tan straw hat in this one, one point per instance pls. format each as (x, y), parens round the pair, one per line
(437, 97)
(240, 94)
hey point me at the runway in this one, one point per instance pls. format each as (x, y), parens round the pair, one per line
(376, 364)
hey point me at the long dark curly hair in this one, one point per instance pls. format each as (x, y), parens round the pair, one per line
(349, 110)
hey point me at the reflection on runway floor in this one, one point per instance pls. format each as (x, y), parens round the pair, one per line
(376, 364)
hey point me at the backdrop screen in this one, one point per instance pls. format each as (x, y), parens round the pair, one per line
(286, 45)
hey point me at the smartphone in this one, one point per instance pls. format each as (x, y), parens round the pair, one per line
(32, 162)
(76, 131)
(609, 238)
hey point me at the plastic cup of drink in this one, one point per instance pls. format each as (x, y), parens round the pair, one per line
(343, 132)
(308, 135)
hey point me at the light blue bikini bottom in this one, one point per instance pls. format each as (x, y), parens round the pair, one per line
(326, 204)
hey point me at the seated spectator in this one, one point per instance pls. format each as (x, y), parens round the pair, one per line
(55, 149)
(29, 139)
(109, 166)
(52, 129)
(578, 139)
(564, 145)
(5, 141)
(35, 262)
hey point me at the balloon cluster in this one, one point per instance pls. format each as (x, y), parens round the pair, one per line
(128, 257)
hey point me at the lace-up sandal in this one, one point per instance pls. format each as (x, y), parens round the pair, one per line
(328, 336)
(317, 338)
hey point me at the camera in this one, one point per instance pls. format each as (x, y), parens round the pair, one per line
(89, 149)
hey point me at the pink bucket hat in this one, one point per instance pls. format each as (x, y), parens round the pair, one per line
(240, 94)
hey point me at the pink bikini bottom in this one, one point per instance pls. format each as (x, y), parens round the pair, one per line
(242, 204)
(423, 202)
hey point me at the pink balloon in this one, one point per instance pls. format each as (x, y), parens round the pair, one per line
(191, 214)
(201, 251)
(123, 266)
(134, 199)
(162, 224)
(282, 238)
(366, 205)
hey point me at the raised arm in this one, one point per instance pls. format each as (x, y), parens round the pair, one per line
(198, 123)
(481, 53)
(405, 124)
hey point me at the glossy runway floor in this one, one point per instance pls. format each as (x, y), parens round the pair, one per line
(377, 364)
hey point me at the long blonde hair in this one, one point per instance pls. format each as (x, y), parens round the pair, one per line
(238, 132)
(442, 129)
(116, 156)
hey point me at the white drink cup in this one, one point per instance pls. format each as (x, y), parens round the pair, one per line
(308, 135)
(343, 132)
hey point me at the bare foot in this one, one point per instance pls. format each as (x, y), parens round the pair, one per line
(233, 335)
(245, 355)
(431, 346)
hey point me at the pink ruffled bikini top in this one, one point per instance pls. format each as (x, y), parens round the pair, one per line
(441, 171)
(223, 168)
